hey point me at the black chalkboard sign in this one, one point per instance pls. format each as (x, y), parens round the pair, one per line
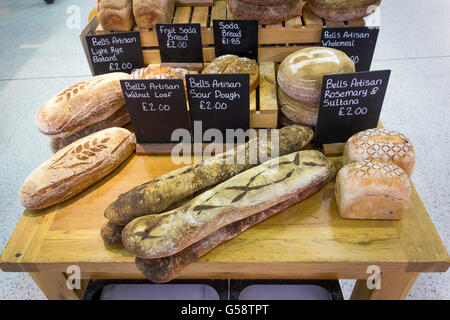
(219, 101)
(180, 42)
(357, 42)
(156, 107)
(115, 52)
(350, 103)
(239, 37)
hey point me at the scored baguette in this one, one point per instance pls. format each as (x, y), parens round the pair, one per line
(167, 268)
(250, 192)
(159, 194)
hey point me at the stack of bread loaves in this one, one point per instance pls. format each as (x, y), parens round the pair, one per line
(374, 183)
(300, 81)
(265, 11)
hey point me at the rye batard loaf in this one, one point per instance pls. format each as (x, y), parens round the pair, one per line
(112, 235)
(343, 10)
(300, 74)
(82, 104)
(115, 14)
(118, 119)
(381, 144)
(252, 191)
(159, 194)
(148, 13)
(167, 268)
(372, 190)
(75, 167)
(266, 14)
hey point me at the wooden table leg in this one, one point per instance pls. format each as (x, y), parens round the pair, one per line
(54, 286)
(394, 286)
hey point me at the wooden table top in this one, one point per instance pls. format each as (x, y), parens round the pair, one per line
(308, 240)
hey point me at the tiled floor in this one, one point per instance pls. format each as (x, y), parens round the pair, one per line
(41, 55)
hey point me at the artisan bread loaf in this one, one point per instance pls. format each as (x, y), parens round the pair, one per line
(147, 13)
(300, 74)
(167, 268)
(115, 14)
(82, 104)
(265, 14)
(250, 192)
(75, 167)
(372, 190)
(230, 63)
(265, 2)
(305, 113)
(343, 10)
(160, 193)
(156, 71)
(118, 119)
(381, 144)
(112, 235)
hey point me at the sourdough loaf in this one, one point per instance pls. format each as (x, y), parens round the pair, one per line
(160, 193)
(115, 14)
(147, 13)
(381, 144)
(300, 74)
(250, 192)
(230, 63)
(75, 167)
(343, 10)
(82, 104)
(118, 119)
(265, 14)
(168, 268)
(372, 190)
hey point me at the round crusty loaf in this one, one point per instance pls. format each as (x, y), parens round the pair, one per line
(82, 104)
(265, 14)
(155, 71)
(75, 167)
(230, 63)
(305, 113)
(381, 144)
(343, 10)
(300, 74)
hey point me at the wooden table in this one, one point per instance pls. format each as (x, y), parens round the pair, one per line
(307, 241)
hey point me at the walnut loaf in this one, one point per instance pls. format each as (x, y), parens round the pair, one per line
(250, 192)
(82, 104)
(75, 167)
(115, 14)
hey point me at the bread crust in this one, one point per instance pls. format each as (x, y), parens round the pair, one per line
(305, 113)
(300, 74)
(265, 14)
(75, 167)
(82, 104)
(230, 63)
(343, 10)
(112, 235)
(372, 190)
(156, 71)
(115, 14)
(148, 13)
(381, 144)
(252, 191)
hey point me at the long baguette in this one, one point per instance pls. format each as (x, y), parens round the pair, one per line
(159, 194)
(167, 268)
(275, 181)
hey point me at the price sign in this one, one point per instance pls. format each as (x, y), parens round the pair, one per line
(357, 42)
(156, 107)
(219, 101)
(181, 42)
(239, 37)
(115, 52)
(350, 103)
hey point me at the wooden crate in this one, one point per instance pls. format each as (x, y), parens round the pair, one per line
(276, 41)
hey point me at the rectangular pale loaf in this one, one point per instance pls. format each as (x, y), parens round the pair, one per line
(159, 194)
(147, 13)
(250, 192)
(75, 167)
(82, 104)
(115, 14)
